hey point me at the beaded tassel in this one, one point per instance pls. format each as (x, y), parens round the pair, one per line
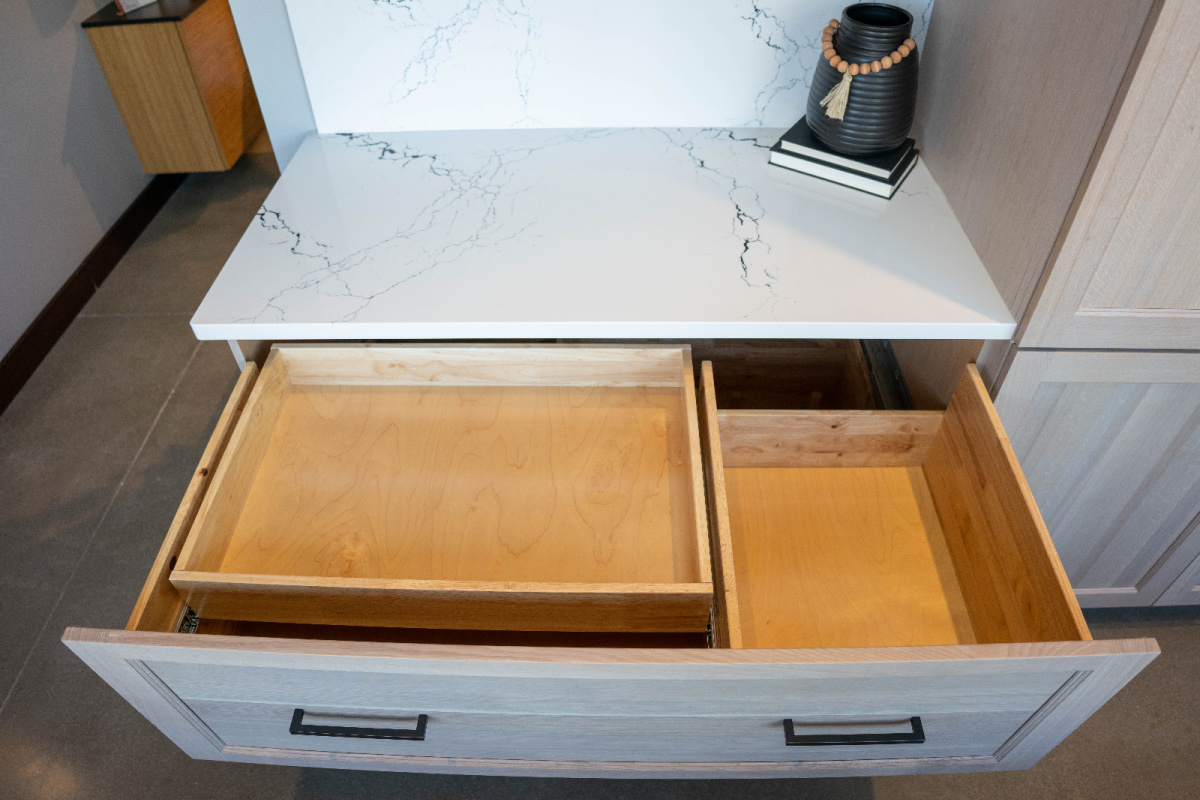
(835, 102)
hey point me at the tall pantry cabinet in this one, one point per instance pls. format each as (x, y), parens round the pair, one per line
(1069, 148)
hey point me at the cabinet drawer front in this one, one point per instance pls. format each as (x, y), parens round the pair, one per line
(898, 689)
(998, 706)
(603, 738)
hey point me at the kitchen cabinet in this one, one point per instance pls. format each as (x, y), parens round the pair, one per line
(1104, 420)
(1110, 442)
(884, 596)
(1126, 275)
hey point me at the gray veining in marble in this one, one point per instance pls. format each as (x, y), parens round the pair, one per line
(462, 64)
(590, 232)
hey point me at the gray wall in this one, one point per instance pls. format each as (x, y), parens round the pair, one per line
(67, 167)
(266, 34)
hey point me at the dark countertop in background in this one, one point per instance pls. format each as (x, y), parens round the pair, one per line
(160, 11)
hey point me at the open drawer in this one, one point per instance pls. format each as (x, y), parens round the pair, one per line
(975, 656)
(881, 529)
(521, 488)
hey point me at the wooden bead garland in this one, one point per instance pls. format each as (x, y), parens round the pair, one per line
(835, 102)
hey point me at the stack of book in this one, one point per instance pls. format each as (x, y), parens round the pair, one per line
(880, 174)
(125, 6)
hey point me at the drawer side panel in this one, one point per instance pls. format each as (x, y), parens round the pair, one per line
(1013, 583)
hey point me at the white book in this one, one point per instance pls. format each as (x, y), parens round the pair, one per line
(800, 139)
(854, 180)
(126, 6)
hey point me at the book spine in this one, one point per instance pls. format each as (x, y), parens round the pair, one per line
(125, 6)
(828, 158)
(861, 182)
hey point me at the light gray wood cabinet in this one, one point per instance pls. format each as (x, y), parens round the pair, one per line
(1110, 443)
(1107, 424)
(1125, 276)
(1185, 555)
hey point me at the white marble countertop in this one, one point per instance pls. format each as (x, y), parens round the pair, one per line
(592, 233)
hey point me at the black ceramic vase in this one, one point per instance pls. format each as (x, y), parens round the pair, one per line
(880, 111)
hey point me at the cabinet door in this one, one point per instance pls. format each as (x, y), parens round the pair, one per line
(1182, 569)
(1110, 444)
(1126, 274)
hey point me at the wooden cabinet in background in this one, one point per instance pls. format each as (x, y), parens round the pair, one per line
(177, 72)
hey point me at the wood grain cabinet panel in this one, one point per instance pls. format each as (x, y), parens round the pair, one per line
(1110, 443)
(179, 78)
(1102, 398)
(610, 712)
(686, 739)
(1126, 274)
(877, 577)
(1184, 561)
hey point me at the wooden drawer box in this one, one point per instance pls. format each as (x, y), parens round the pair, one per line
(881, 528)
(897, 608)
(518, 488)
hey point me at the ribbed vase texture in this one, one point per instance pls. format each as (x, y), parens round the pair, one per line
(882, 104)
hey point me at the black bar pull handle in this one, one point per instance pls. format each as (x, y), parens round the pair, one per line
(298, 728)
(916, 737)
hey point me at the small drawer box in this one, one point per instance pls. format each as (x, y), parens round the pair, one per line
(880, 529)
(502, 488)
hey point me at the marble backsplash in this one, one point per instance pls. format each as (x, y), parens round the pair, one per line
(393, 65)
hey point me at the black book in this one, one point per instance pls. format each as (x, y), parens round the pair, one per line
(883, 187)
(800, 140)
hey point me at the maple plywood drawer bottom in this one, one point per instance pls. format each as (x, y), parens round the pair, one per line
(885, 601)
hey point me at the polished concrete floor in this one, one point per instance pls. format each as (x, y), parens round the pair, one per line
(95, 453)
